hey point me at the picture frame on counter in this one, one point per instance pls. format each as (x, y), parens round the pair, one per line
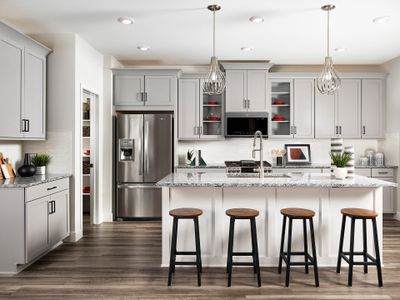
(298, 154)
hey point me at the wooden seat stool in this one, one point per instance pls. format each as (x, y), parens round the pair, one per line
(304, 215)
(185, 213)
(243, 214)
(364, 215)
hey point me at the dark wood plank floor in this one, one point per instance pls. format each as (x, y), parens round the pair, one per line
(122, 261)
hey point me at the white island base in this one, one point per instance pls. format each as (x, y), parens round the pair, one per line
(214, 224)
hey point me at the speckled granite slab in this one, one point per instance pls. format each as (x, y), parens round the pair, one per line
(294, 180)
(311, 166)
(24, 182)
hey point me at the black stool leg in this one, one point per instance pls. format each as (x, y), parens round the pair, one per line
(339, 262)
(377, 254)
(305, 244)
(364, 221)
(229, 239)
(230, 250)
(256, 262)
(314, 253)
(172, 258)
(289, 249)
(198, 254)
(282, 243)
(351, 254)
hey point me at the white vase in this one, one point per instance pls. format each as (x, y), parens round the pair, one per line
(340, 173)
(41, 170)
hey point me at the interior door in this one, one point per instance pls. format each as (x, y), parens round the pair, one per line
(130, 128)
(157, 146)
(128, 90)
(236, 90)
(257, 90)
(10, 87)
(160, 90)
(325, 115)
(36, 227)
(372, 108)
(303, 108)
(59, 219)
(189, 105)
(34, 95)
(348, 99)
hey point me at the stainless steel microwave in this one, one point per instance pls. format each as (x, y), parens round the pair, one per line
(241, 124)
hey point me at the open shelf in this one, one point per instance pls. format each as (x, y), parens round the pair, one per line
(280, 93)
(212, 105)
(212, 121)
(284, 121)
(280, 105)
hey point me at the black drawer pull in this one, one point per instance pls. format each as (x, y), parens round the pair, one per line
(51, 188)
(383, 172)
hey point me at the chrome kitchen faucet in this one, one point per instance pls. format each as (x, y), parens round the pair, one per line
(253, 153)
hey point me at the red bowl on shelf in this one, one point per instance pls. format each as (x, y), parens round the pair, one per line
(213, 102)
(213, 118)
(86, 189)
(87, 152)
(279, 102)
(278, 118)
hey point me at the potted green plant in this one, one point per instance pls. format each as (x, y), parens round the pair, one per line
(340, 160)
(41, 161)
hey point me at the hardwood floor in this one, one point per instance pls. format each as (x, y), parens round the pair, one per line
(122, 261)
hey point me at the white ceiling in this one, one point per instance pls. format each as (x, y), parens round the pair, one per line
(179, 31)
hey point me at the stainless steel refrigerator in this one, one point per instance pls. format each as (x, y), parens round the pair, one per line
(144, 156)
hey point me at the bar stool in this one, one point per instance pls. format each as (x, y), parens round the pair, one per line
(364, 215)
(185, 213)
(300, 214)
(243, 214)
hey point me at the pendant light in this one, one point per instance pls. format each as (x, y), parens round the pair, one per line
(215, 82)
(328, 82)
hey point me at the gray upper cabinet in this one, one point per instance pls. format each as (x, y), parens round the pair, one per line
(160, 90)
(33, 110)
(11, 89)
(246, 90)
(22, 85)
(303, 108)
(373, 108)
(188, 108)
(348, 105)
(128, 90)
(325, 115)
(151, 89)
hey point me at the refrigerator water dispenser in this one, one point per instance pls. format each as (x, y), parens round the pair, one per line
(126, 150)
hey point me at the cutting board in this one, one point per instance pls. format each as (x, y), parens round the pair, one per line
(6, 168)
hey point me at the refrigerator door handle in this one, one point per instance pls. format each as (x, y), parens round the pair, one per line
(137, 186)
(146, 147)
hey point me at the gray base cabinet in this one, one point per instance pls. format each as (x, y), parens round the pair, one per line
(33, 220)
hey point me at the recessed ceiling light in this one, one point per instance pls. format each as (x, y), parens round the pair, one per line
(381, 20)
(247, 49)
(256, 19)
(340, 49)
(143, 48)
(126, 20)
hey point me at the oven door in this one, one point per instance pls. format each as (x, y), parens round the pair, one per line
(245, 124)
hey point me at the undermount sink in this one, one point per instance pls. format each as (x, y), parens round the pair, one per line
(255, 175)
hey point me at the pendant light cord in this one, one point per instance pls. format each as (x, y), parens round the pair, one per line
(214, 33)
(327, 35)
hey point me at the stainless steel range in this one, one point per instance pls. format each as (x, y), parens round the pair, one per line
(248, 168)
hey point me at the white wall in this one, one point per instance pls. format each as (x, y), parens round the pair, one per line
(391, 144)
(12, 150)
(216, 152)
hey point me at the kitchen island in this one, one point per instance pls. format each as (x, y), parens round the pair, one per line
(214, 193)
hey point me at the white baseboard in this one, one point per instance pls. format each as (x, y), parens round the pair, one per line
(107, 217)
(75, 236)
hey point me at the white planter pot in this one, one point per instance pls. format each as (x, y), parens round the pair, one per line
(41, 170)
(340, 173)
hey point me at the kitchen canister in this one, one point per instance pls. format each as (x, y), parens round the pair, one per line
(351, 164)
(371, 156)
(336, 147)
(379, 159)
(364, 161)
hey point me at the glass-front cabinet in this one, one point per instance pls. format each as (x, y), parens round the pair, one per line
(281, 101)
(211, 115)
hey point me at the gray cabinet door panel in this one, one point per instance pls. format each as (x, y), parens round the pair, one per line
(34, 95)
(372, 108)
(160, 90)
(236, 90)
(303, 108)
(257, 81)
(11, 89)
(36, 227)
(188, 108)
(349, 108)
(128, 90)
(59, 220)
(325, 119)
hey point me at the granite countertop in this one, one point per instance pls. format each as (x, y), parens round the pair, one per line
(25, 182)
(294, 180)
(310, 166)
